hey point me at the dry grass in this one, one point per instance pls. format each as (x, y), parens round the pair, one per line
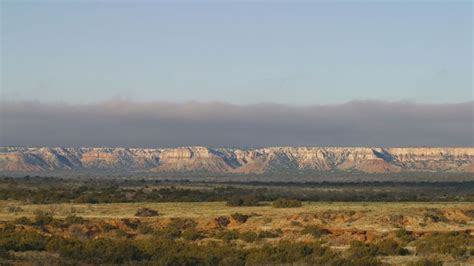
(372, 212)
(210, 209)
(346, 221)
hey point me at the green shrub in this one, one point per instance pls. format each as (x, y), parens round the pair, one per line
(236, 201)
(42, 218)
(435, 215)
(314, 231)
(182, 223)
(8, 228)
(191, 234)
(109, 251)
(270, 234)
(360, 253)
(69, 248)
(23, 241)
(404, 236)
(58, 223)
(4, 254)
(121, 233)
(453, 243)
(108, 227)
(23, 221)
(175, 228)
(390, 247)
(14, 209)
(73, 219)
(227, 235)
(145, 229)
(286, 203)
(290, 252)
(249, 236)
(78, 231)
(359, 249)
(94, 251)
(169, 232)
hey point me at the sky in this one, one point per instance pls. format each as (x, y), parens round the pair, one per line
(230, 73)
(303, 53)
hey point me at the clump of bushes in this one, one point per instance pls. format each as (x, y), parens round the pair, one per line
(4, 254)
(241, 218)
(222, 221)
(237, 201)
(146, 212)
(157, 250)
(452, 243)
(23, 221)
(182, 223)
(314, 231)
(358, 249)
(434, 215)
(227, 235)
(176, 227)
(360, 253)
(286, 203)
(270, 234)
(249, 236)
(390, 247)
(74, 219)
(469, 213)
(289, 252)
(42, 218)
(146, 229)
(121, 233)
(78, 231)
(191, 234)
(22, 240)
(108, 227)
(14, 209)
(387, 247)
(404, 235)
(8, 228)
(169, 232)
(131, 223)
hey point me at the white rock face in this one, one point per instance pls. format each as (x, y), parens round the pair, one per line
(223, 160)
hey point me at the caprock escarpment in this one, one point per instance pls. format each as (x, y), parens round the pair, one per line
(239, 161)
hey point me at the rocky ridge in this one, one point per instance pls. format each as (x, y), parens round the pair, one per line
(239, 161)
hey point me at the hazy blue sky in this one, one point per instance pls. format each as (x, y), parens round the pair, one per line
(303, 53)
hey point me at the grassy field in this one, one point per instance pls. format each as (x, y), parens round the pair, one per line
(208, 209)
(337, 224)
(368, 215)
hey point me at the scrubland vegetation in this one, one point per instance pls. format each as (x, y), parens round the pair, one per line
(144, 223)
(45, 190)
(180, 241)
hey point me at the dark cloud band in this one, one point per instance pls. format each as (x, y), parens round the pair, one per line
(161, 124)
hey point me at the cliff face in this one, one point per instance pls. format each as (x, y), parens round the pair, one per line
(222, 160)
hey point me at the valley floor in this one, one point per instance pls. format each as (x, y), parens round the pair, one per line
(336, 224)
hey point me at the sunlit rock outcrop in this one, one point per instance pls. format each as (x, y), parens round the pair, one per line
(230, 160)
